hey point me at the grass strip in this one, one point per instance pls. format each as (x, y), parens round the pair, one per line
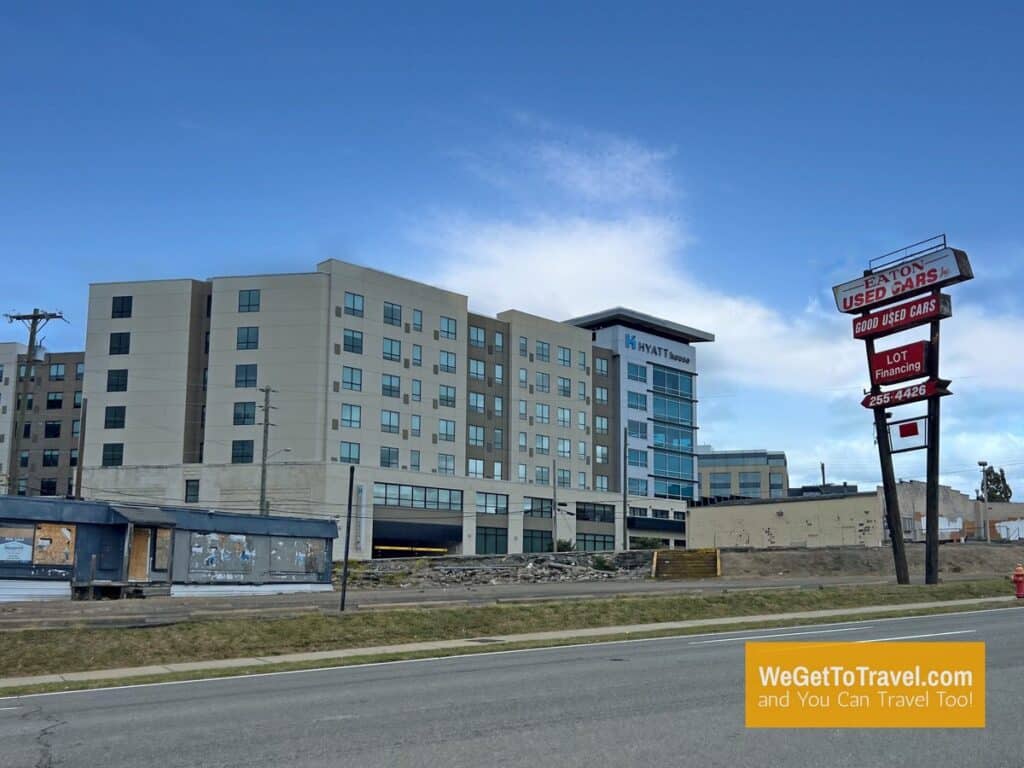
(211, 674)
(39, 652)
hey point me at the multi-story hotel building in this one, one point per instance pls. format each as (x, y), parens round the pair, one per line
(750, 474)
(469, 433)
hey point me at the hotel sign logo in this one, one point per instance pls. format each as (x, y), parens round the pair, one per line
(653, 350)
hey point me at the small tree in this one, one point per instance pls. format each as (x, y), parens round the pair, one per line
(564, 545)
(645, 542)
(996, 487)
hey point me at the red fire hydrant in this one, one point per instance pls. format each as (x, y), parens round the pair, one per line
(1018, 579)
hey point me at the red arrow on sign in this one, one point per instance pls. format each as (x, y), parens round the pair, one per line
(912, 394)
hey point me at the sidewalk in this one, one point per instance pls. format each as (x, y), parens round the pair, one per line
(439, 645)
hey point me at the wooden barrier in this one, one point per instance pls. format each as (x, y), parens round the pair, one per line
(686, 564)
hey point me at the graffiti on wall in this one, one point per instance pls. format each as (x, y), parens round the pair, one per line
(292, 555)
(221, 556)
(55, 544)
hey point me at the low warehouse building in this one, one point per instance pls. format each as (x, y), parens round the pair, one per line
(58, 548)
(819, 521)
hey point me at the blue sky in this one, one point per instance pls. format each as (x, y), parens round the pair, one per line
(719, 164)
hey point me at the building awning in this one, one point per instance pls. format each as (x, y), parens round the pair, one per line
(145, 515)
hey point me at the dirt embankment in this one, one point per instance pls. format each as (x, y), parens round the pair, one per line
(965, 559)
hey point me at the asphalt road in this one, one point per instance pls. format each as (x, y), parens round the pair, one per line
(666, 702)
(56, 614)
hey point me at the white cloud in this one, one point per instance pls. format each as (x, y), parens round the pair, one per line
(608, 170)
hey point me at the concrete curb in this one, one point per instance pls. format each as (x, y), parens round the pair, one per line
(439, 645)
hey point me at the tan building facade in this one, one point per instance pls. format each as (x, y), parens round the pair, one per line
(754, 474)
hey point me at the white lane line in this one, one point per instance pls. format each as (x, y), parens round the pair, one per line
(784, 634)
(916, 637)
(456, 657)
(8, 709)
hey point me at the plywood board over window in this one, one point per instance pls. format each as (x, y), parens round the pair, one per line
(55, 544)
(162, 550)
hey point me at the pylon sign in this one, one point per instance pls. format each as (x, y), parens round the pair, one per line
(898, 295)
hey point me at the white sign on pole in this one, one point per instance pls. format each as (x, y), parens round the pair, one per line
(908, 434)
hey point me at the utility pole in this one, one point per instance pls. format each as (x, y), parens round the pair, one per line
(264, 506)
(35, 321)
(931, 495)
(823, 476)
(984, 499)
(625, 487)
(348, 534)
(554, 507)
(81, 447)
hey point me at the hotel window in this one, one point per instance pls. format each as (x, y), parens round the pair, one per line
(352, 379)
(721, 483)
(446, 362)
(541, 475)
(581, 419)
(581, 390)
(354, 304)
(446, 463)
(499, 373)
(499, 438)
(23, 458)
(565, 448)
(636, 372)
(78, 399)
(446, 396)
(414, 457)
(600, 454)
(565, 357)
(537, 541)
(542, 411)
(776, 486)
(522, 441)
(417, 355)
(446, 430)
(637, 429)
(637, 458)
(564, 417)
(57, 372)
(54, 401)
(390, 386)
(247, 337)
(476, 402)
(601, 394)
(600, 425)
(750, 484)
(524, 377)
(636, 400)
(449, 328)
(601, 366)
(245, 376)
(73, 457)
(581, 480)
(48, 486)
(113, 454)
(249, 300)
(521, 473)
(417, 390)
(79, 371)
(637, 486)
(477, 336)
(601, 482)
(564, 387)
(388, 457)
(191, 491)
(523, 346)
(392, 314)
(499, 341)
(51, 429)
(349, 453)
(535, 507)
(582, 360)
(121, 307)
(543, 382)
(660, 514)
(638, 511)
(563, 478)
(491, 541)
(353, 341)
(499, 405)
(496, 470)
(76, 427)
(476, 369)
(351, 416)
(475, 467)
(51, 457)
(522, 409)
(392, 350)
(120, 343)
(415, 425)
(543, 352)
(491, 503)
(389, 421)
(581, 449)
(542, 445)
(417, 321)
(114, 415)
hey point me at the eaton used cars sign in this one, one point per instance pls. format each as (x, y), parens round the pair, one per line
(907, 278)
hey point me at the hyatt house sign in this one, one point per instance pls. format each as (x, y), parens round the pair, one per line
(911, 277)
(653, 349)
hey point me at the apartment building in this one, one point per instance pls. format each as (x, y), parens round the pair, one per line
(41, 417)
(750, 474)
(469, 433)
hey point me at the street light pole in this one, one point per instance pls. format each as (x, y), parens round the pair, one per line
(984, 499)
